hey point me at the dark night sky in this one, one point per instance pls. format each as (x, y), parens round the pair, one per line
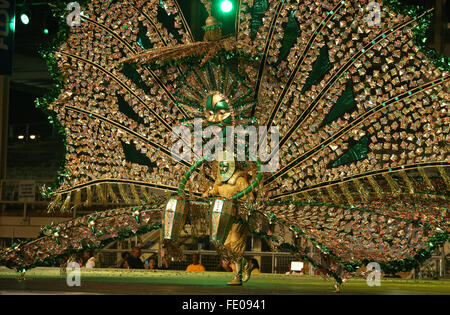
(22, 109)
(28, 40)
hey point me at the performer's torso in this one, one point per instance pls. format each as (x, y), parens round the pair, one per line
(227, 190)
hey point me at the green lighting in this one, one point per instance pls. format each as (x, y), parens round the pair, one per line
(45, 30)
(24, 18)
(12, 24)
(226, 6)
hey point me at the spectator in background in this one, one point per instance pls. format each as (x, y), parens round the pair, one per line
(255, 268)
(163, 257)
(124, 262)
(195, 266)
(134, 261)
(88, 260)
(151, 262)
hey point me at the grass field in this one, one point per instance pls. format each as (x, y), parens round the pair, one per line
(118, 281)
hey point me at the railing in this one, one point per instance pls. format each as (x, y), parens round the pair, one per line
(22, 197)
(19, 189)
(271, 262)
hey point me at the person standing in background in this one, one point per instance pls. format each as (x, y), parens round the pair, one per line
(134, 261)
(195, 266)
(88, 260)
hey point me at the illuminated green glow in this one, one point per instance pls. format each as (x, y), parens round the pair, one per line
(24, 18)
(226, 6)
(12, 24)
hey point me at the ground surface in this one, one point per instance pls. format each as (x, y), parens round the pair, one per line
(117, 281)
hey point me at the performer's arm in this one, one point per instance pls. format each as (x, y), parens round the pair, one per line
(241, 184)
(164, 259)
(213, 192)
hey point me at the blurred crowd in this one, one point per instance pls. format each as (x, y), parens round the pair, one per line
(133, 261)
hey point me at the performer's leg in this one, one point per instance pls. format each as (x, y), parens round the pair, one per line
(237, 274)
(235, 244)
(247, 267)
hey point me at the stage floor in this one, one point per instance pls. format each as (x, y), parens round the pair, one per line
(119, 281)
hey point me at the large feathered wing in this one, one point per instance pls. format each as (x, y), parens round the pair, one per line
(118, 118)
(363, 118)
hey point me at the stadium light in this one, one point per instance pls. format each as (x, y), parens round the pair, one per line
(12, 24)
(25, 18)
(226, 6)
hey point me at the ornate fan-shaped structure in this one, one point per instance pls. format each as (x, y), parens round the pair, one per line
(362, 112)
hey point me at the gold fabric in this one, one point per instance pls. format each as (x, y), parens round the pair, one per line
(237, 239)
